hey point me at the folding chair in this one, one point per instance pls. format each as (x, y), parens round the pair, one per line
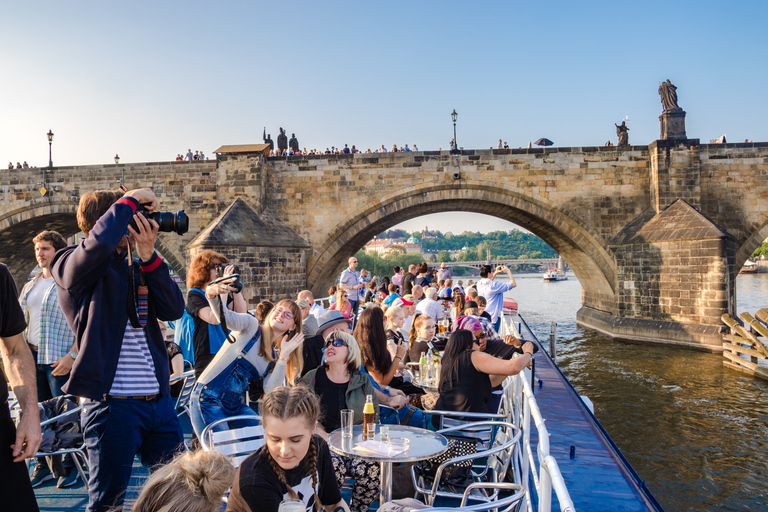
(182, 401)
(493, 470)
(509, 503)
(237, 443)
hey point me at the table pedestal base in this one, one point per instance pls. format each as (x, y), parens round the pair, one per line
(385, 488)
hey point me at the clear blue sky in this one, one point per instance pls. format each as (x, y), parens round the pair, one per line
(149, 80)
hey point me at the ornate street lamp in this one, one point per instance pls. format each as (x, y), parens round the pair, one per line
(50, 142)
(117, 159)
(455, 149)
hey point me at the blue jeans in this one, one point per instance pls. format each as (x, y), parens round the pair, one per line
(497, 324)
(224, 395)
(115, 431)
(48, 385)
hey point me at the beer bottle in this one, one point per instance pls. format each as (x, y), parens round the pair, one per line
(369, 429)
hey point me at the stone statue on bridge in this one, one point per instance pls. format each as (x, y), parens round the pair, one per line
(268, 140)
(623, 132)
(668, 93)
(294, 143)
(282, 142)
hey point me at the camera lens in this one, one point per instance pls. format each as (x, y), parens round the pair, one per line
(171, 222)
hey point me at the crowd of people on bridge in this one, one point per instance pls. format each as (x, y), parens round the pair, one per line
(90, 327)
(190, 157)
(19, 165)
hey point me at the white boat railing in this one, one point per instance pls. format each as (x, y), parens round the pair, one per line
(545, 476)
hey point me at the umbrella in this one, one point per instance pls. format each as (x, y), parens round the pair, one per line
(544, 142)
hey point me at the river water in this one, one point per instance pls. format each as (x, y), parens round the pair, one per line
(695, 431)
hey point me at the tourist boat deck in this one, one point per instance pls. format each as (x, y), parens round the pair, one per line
(598, 477)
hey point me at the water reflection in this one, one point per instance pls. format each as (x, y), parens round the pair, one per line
(696, 432)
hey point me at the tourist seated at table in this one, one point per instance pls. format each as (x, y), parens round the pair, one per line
(394, 319)
(468, 375)
(422, 279)
(342, 304)
(378, 362)
(192, 482)
(422, 330)
(408, 304)
(341, 385)
(392, 295)
(446, 291)
(370, 292)
(294, 462)
(220, 391)
(481, 303)
(332, 293)
(458, 306)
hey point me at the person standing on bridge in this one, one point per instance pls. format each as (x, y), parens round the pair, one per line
(494, 291)
(113, 302)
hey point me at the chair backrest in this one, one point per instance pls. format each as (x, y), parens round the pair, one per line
(503, 504)
(483, 433)
(238, 442)
(188, 378)
(499, 461)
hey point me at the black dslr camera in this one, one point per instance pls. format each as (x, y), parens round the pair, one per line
(169, 222)
(221, 276)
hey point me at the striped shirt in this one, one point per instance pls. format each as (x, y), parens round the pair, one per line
(135, 374)
(56, 337)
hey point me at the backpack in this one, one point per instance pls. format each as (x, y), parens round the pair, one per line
(185, 332)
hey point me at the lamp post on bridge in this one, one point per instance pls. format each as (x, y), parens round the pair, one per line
(50, 144)
(121, 181)
(455, 150)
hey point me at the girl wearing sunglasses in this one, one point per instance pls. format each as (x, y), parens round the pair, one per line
(341, 385)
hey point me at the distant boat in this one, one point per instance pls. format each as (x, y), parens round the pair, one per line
(750, 267)
(554, 274)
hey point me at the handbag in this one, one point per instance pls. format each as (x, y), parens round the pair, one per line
(455, 475)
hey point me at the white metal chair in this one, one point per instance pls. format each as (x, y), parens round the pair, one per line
(510, 503)
(182, 401)
(237, 443)
(496, 460)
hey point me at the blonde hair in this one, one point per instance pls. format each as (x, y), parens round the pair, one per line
(418, 320)
(192, 482)
(390, 313)
(354, 355)
(296, 359)
(292, 402)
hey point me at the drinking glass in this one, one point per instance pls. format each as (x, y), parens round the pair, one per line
(384, 433)
(291, 505)
(347, 420)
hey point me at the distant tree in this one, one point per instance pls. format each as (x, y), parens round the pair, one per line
(397, 233)
(761, 251)
(443, 256)
(397, 249)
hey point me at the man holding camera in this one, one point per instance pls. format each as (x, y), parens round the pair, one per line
(112, 303)
(494, 291)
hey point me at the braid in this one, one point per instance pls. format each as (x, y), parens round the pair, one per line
(312, 466)
(279, 472)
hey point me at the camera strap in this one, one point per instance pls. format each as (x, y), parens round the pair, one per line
(137, 305)
(223, 322)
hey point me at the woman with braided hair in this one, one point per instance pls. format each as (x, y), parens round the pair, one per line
(293, 463)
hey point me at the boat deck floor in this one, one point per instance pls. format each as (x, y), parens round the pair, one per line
(597, 478)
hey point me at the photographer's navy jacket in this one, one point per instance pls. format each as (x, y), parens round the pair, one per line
(92, 283)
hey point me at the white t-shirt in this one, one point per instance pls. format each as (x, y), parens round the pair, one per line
(35, 306)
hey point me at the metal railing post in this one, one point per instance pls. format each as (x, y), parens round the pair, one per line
(552, 338)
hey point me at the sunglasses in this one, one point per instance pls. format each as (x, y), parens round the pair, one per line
(336, 342)
(480, 336)
(285, 312)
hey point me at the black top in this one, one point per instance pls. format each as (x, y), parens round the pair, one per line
(200, 342)
(312, 350)
(173, 349)
(422, 281)
(11, 318)
(258, 488)
(407, 284)
(486, 315)
(417, 347)
(333, 398)
(463, 387)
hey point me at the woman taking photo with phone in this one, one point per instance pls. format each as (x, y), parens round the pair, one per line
(294, 463)
(266, 353)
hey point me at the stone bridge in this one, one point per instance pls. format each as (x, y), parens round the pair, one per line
(655, 234)
(539, 262)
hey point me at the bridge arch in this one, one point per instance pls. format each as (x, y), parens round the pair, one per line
(583, 249)
(18, 228)
(749, 245)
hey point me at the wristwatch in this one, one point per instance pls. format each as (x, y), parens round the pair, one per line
(73, 354)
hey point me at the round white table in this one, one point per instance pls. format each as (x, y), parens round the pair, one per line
(423, 444)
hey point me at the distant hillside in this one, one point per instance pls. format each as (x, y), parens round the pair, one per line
(512, 244)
